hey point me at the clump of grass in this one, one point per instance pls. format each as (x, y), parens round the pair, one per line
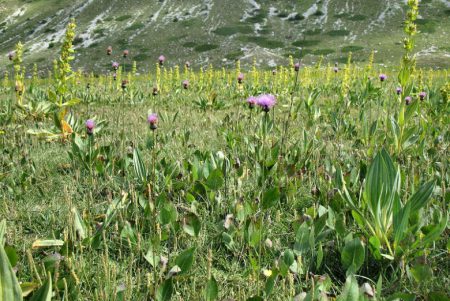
(123, 18)
(205, 47)
(306, 43)
(351, 48)
(338, 33)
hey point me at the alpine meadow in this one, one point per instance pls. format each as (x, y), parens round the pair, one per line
(224, 150)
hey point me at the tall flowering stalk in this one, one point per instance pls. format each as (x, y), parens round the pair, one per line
(19, 75)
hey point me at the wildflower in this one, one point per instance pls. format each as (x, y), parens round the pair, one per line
(11, 55)
(124, 84)
(125, 53)
(252, 101)
(90, 125)
(109, 50)
(114, 76)
(336, 69)
(274, 72)
(297, 67)
(240, 78)
(422, 95)
(266, 102)
(186, 84)
(398, 90)
(408, 100)
(383, 77)
(161, 59)
(115, 65)
(152, 119)
(155, 91)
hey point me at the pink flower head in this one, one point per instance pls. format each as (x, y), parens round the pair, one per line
(115, 65)
(266, 101)
(115, 76)
(90, 125)
(161, 59)
(185, 84)
(240, 78)
(422, 95)
(408, 100)
(297, 67)
(336, 69)
(11, 55)
(187, 64)
(109, 50)
(274, 72)
(252, 101)
(152, 120)
(398, 90)
(126, 53)
(383, 77)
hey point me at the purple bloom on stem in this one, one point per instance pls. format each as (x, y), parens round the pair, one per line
(11, 55)
(266, 101)
(252, 100)
(115, 76)
(115, 65)
(90, 125)
(152, 119)
(383, 77)
(422, 95)
(297, 67)
(336, 69)
(240, 78)
(161, 59)
(398, 90)
(126, 53)
(408, 100)
(185, 84)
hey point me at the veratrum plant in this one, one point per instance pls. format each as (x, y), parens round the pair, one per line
(384, 218)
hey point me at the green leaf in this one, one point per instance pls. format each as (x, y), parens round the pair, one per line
(185, 260)
(421, 197)
(319, 256)
(288, 258)
(270, 283)
(421, 273)
(45, 292)
(2, 232)
(139, 167)
(165, 290)
(212, 290)
(192, 225)
(270, 198)
(215, 180)
(151, 257)
(12, 255)
(350, 291)
(168, 213)
(9, 286)
(353, 255)
(47, 243)
(79, 224)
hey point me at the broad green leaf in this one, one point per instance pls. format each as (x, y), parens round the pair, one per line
(192, 225)
(139, 167)
(288, 258)
(421, 273)
(421, 197)
(9, 286)
(350, 291)
(165, 290)
(270, 283)
(270, 198)
(2, 232)
(215, 180)
(47, 243)
(353, 255)
(45, 292)
(28, 288)
(212, 290)
(168, 213)
(185, 260)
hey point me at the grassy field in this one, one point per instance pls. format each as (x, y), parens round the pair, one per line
(303, 182)
(209, 31)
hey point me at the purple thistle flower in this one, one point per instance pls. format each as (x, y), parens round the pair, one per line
(115, 76)
(297, 67)
(240, 78)
(422, 95)
(161, 59)
(185, 84)
(266, 102)
(398, 90)
(336, 69)
(408, 100)
(115, 65)
(90, 125)
(252, 101)
(126, 53)
(11, 55)
(152, 119)
(109, 50)
(383, 77)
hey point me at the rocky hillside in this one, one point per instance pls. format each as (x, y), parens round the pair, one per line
(219, 31)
